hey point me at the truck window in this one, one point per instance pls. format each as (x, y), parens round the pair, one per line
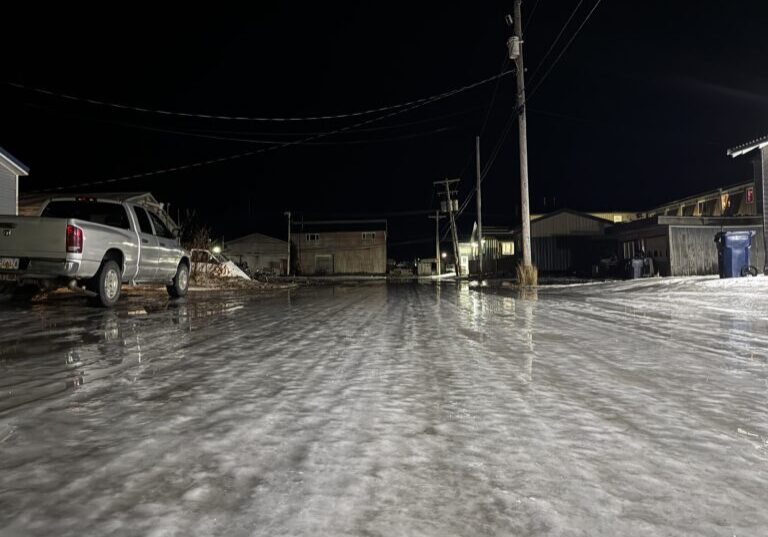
(109, 214)
(160, 229)
(141, 216)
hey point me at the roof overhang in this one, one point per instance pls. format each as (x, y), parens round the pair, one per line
(743, 149)
(13, 164)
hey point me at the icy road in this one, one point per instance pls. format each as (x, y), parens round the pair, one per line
(613, 409)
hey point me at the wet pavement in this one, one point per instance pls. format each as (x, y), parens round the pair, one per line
(635, 408)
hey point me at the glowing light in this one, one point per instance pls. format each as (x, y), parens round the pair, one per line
(444, 255)
(217, 249)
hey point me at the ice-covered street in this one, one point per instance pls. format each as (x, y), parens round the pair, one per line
(630, 408)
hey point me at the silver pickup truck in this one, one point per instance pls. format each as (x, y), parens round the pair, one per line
(92, 244)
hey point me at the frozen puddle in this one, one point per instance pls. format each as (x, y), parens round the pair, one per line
(634, 408)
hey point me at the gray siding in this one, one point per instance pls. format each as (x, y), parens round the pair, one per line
(8, 194)
(261, 252)
(693, 251)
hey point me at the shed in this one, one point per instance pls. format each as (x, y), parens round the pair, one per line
(261, 253)
(10, 171)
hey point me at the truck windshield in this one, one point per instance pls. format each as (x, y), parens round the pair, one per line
(109, 214)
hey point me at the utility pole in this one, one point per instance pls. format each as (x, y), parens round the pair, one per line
(451, 205)
(288, 268)
(437, 218)
(515, 44)
(479, 195)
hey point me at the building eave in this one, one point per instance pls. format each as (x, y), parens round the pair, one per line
(13, 164)
(745, 148)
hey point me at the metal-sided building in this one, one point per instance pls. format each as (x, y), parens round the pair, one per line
(261, 253)
(340, 247)
(566, 241)
(10, 171)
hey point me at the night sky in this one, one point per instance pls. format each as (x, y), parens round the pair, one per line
(639, 110)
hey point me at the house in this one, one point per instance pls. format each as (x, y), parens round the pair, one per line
(10, 171)
(261, 253)
(757, 152)
(340, 247)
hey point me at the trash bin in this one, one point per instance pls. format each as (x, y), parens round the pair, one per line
(635, 268)
(733, 253)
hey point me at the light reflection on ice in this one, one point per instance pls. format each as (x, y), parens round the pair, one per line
(634, 408)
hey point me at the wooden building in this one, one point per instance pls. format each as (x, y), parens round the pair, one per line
(680, 236)
(10, 171)
(261, 253)
(340, 247)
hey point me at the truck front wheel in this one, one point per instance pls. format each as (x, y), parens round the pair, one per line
(178, 288)
(106, 284)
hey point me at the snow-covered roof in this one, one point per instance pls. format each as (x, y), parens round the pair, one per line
(12, 163)
(757, 143)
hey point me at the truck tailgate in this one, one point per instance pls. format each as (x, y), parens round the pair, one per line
(33, 237)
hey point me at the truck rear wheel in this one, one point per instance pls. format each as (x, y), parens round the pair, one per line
(106, 284)
(180, 283)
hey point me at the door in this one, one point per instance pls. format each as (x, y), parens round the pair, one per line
(323, 264)
(148, 248)
(168, 249)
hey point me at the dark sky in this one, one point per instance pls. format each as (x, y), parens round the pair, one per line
(640, 109)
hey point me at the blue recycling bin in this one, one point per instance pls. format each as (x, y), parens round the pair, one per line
(733, 253)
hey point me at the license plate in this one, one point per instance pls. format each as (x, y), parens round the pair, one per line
(9, 263)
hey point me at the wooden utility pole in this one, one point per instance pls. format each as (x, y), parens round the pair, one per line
(288, 268)
(479, 205)
(451, 206)
(437, 218)
(515, 44)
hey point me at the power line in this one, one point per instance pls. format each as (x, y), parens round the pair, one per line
(120, 106)
(530, 15)
(568, 44)
(510, 121)
(556, 40)
(266, 149)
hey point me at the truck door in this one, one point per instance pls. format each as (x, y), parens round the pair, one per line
(149, 250)
(167, 248)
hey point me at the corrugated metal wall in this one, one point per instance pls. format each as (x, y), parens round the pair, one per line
(567, 223)
(8, 194)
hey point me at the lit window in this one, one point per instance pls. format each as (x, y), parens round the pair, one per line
(507, 248)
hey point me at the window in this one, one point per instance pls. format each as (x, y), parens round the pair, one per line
(507, 248)
(160, 229)
(368, 237)
(141, 216)
(98, 212)
(313, 237)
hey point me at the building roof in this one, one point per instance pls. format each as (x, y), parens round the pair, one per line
(298, 226)
(701, 196)
(757, 143)
(254, 236)
(12, 163)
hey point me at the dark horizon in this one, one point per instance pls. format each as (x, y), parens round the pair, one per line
(638, 111)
